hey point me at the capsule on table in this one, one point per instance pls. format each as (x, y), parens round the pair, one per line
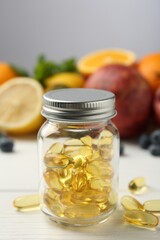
(141, 218)
(152, 206)
(137, 185)
(27, 202)
(130, 203)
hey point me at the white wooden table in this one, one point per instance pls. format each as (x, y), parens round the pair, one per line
(19, 176)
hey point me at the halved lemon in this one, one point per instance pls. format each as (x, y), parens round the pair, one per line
(93, 61)
(20, 105)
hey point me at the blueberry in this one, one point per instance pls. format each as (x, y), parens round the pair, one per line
(144, 141)
(155, 137)
(6, 145)
(155, 150)
(121, 150)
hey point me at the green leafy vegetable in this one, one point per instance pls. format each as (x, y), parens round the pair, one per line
(44, 68)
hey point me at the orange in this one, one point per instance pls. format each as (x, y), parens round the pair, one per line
(20, 105)
(149, 67)
(6, 72)
(93, 61)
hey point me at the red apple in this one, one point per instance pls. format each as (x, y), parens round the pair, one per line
(133, 96)
(156, 104)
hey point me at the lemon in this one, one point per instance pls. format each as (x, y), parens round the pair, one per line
(93, 61)
(20, 105)
(64, 80)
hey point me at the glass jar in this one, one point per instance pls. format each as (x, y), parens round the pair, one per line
(78, 154)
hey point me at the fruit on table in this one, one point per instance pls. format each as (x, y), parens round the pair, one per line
(93, 61)
(6, 72)
(151, 142)
(155, 150)
(20, 105)
(144, 141)
(64, 80)
(133, 96)
(155, 137)
(155, 140)
(149, 67)
(6, 144)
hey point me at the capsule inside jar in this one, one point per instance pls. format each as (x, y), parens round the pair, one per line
(81, 176)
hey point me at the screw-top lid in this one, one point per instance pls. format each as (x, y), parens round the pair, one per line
(78, 105)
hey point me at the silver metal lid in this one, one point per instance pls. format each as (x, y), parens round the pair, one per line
(78, 105)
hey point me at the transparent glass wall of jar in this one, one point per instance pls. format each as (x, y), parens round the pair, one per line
(79, 170)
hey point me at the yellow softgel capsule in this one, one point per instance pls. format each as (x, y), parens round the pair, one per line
(53, 160)
(130, 203)
(86, 152)
(99, 169)
(71, 149)
(53, 194)
(79, 182)
(73, 153)
(107, 153)
(105, 206)
(76, 152)
(66, 198)
(52, 180)
(78, 163)
(90, 196)
(82, 211)
(87, 140)
(73, 142)
(27, 202)
(105, 138)
(54, 205)
(141, 218)
(95, 155)
(65, 176)
(152, 206)
(137, 185)
(56, 148)
(113, 198)
(100, 184)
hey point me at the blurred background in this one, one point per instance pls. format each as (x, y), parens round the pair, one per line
(69, 30)
(62, 29)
